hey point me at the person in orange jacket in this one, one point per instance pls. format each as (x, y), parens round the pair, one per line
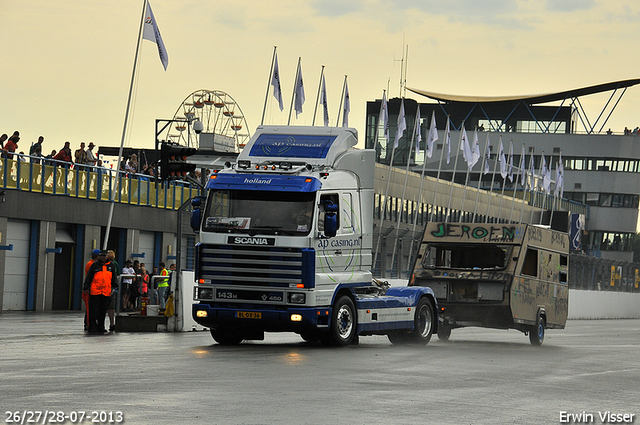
(85, 295)
(101, 280)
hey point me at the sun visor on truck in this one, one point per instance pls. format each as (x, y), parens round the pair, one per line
(277, 183)
(292, 146)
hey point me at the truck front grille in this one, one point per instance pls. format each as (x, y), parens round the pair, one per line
(251, 265)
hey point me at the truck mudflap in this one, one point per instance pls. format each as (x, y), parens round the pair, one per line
(264, 319)
(392, 311)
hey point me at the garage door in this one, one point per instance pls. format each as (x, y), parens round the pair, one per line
(16, 267)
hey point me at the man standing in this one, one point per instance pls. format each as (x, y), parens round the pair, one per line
(80, 156)
(36, 150)
(91, 157)
(99, 283)
(85, 295)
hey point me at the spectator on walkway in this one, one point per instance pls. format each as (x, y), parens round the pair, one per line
(111, 308)
(132, 165)
(64, 155)
(92, 160)
(48, 160)
(99, 284)
(3, 139)
(35, 151)
(80, 156)
(11, 145)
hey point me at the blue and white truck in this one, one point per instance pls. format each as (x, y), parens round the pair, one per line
(286, 245)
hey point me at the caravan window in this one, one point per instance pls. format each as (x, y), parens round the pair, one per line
(530, 265)
(467, 257)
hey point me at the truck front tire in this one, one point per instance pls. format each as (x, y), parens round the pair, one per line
(344, 324)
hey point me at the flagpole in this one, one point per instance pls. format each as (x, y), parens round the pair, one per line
(344, 86)
(504, 181)
(295, 83)
(383, 204)
(404, 190)
(266, 96)
(124, 130)
(424, 163)
(524, 185)
(475, 208)
(466, 180)
(435, 191)
(317, 97)
(515, 189)
(493, 179)
(453, 176)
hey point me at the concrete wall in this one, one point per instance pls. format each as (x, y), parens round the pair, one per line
(603, 305)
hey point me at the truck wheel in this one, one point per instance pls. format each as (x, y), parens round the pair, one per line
(444, 333)
(343, 323)
(536, 333)
(422, 323)
(226, 337)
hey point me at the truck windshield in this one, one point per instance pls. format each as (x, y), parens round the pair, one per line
(259, 212)
(468, 257)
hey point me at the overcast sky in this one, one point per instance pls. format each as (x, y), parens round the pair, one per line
(67, 64)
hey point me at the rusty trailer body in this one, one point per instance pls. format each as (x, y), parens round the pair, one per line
(505, 276)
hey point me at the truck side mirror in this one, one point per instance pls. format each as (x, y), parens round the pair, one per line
(196, 213)
(330, 219)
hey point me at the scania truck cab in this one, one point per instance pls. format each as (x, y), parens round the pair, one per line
(285, 245)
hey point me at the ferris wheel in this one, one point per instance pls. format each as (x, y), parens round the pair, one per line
(224, 126)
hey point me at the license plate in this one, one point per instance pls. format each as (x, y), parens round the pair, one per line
(248, 315)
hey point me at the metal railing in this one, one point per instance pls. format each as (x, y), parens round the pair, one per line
(54, 177)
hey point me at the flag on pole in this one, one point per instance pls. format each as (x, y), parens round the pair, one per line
(559, 191)
(323, 101)
(402, 125)
(433, 135)
(384, 117)
(475, 150)
(523, 176)
(510, 169)
(152, 33)
(418, 131)
(532, 172)
(546, 176)
(299, 92)
(487, 156)
(447, 139)
(275, 82)
(503, 161)
(347, 105)
(464, 147)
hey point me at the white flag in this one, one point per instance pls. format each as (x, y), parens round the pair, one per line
(299, 92)
(418, 131)
(546, 176)
(152, 33)
(503, 161)
(433, 135)
(347, 105)
(487, 156)
(323, 102)
(510, 170)
(447, 139)
(559, 191)
(465, 148)
(532, 172)
(523, 175)
(384, 117)
(402, 125)
(475, 149)
(275, 82)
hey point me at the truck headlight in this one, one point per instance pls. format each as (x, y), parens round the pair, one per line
(296, 298)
